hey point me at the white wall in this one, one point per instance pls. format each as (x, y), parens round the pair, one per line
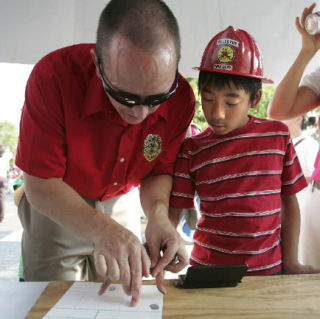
(31, 28)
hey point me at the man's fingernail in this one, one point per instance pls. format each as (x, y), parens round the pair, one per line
(164, 290)
(135, 297)
(133, 302)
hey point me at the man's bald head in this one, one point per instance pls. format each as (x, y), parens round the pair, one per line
(147, 24)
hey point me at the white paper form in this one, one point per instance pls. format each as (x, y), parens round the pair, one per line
(82, 301)
(17, 298)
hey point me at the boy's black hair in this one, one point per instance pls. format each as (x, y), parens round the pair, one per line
(221, 80)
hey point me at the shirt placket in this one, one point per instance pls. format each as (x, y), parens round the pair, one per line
(119, 172)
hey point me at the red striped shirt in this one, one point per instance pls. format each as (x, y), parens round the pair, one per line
(239, 178)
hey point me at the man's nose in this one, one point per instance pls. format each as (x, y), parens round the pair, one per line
(140, 111)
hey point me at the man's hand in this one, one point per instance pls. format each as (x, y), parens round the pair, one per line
(166, 249)
(119, 256)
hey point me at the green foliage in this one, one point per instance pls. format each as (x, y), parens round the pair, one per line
(198, 116)
(259, 111)
(9, 136)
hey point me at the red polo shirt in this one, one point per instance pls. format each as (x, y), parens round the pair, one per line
(70, 130)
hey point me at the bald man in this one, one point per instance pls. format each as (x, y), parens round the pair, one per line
(98, 120)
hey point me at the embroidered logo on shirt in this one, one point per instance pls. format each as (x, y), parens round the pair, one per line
(152, 147)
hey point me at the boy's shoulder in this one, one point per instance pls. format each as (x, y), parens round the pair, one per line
(270, 123)
(192, 143)
(257, 126)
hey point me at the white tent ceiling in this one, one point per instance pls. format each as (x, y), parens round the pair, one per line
(31, 29)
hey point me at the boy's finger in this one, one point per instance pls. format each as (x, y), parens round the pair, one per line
(160, 282)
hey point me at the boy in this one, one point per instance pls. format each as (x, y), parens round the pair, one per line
(244, 169)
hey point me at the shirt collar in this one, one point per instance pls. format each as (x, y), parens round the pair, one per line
(95, 99)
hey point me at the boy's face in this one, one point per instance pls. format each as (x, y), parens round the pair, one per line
(226, 109)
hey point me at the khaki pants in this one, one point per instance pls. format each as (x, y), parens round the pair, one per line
(49, 252)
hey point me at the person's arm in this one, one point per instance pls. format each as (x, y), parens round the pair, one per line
(290, 230)
(290, 100)
(161, 235)
(118, 252)
(174, 215)
(18, 194)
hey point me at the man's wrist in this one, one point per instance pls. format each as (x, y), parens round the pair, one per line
(158, 210)
(98, 222)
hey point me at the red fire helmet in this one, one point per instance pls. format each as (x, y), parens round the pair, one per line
(233, 51)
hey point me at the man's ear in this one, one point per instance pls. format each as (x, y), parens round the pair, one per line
(94, 56)
(257, 99)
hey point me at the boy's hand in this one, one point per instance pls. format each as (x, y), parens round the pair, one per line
(165, 248)
(300, 269)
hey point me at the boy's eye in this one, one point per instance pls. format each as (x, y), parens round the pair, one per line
(231, 104)
(207, 97)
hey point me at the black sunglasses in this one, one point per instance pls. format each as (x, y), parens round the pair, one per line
(132, 100)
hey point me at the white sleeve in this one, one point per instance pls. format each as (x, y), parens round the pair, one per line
(311, 155)
(307, 152)
(312, 81)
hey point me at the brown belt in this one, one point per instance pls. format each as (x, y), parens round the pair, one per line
(315, 184)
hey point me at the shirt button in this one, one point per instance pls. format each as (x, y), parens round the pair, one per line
(115, 183)
(122, 159)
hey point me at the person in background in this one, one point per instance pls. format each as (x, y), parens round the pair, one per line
(305, 147)
(3, 179)
(5, 157)
(194, 128)
(98, 120)
(244, 169)
(293, 98)
(18, 191)
(304, 144)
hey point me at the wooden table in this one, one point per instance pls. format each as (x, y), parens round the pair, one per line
(287, 296)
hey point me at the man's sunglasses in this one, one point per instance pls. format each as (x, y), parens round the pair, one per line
(132, 100)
